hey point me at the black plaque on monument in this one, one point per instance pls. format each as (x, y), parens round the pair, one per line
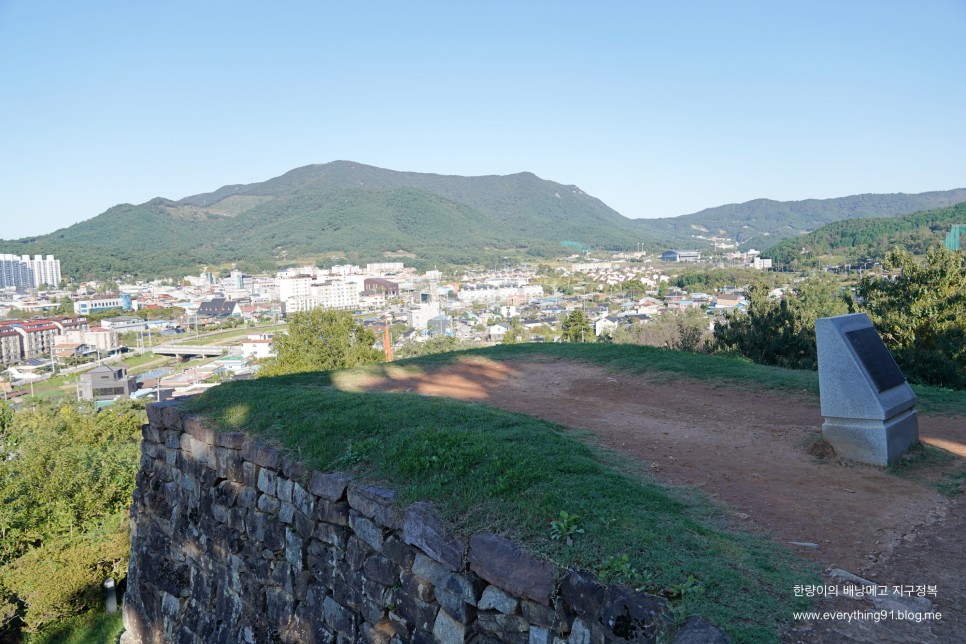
(876, 359)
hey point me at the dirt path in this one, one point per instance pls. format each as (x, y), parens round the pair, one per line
(750, 451)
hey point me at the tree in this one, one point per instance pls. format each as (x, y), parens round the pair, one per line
(772, 333)
(576, 328)
(515, 332)
(921, 314)
(322, 340)
(684, 331)
(66, 479)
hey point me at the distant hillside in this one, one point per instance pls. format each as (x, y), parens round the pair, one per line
(763, 223)
(871, 238)
(346, 211)
(339, 209)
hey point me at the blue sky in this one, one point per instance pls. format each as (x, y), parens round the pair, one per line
(657, 108)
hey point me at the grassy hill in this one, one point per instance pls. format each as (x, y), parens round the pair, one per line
(762, 223)
(491, 470)
(870, 239)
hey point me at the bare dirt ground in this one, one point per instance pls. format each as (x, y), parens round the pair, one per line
(751, 451)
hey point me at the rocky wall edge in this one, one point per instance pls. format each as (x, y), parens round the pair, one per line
(234, 541)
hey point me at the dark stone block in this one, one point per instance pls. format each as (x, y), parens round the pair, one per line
(423, 528)
(539, 615)
(284, 489)
(304, 526)
(231, 440)
(279, 606)
(506, 628)
(455, 606)
(294, 545)
(697, 630)
(229, 464)
(267, 481)
(398, 552)
(247, 497)
(293, 469)
(261, 455)
(507, 565)
(156, 411)
(286, 512)
(308, 628)
(283, 576)
(237, 519)
(420, 614)
(339, 618)
(193, 425)
(274, 536)
(331, 487)
(376, 503)
(417, 587)
(301, 584)
(151, 433)
(171, 577)
(356, 552)
(226, 493)
(302, 499)
(334, 512)
(249, 474)
(582, 593)
(380, 630)
(369, 531)
(376, 592)
(467, 587)
(630, 615)
(347, 586)
(255, 524)
(382, 570)
(422, 637)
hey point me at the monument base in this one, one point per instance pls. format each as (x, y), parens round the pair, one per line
(877, 442)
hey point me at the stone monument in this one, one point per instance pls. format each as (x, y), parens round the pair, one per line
(869, 408)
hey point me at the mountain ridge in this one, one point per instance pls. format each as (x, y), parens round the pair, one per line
(352, 211)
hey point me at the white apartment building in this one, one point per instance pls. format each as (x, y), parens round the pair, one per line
(419, 316)
(334, 294)
(303, 294)
(20, 271)
(101, 338)
(486, 293)
(295, 286)
(382, 268)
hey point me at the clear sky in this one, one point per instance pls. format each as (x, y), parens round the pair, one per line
(657, 108)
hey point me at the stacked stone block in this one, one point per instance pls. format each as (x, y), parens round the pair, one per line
(232, 541)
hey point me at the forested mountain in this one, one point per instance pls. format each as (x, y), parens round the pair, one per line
(340, 209)
(763, 223)
(346, 211)
(871, 238)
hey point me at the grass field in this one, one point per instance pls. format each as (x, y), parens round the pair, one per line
(95, 627)
(492, 470)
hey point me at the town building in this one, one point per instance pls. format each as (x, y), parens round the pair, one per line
(22, 271)
(122, 301)
(680, 256)
(106, 383)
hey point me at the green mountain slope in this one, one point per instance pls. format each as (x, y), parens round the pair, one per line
(532, 208)
(340, 209)
(871, 238)
(363, 213)
(763, 223)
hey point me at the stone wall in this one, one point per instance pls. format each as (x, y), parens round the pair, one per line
(233, 542)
